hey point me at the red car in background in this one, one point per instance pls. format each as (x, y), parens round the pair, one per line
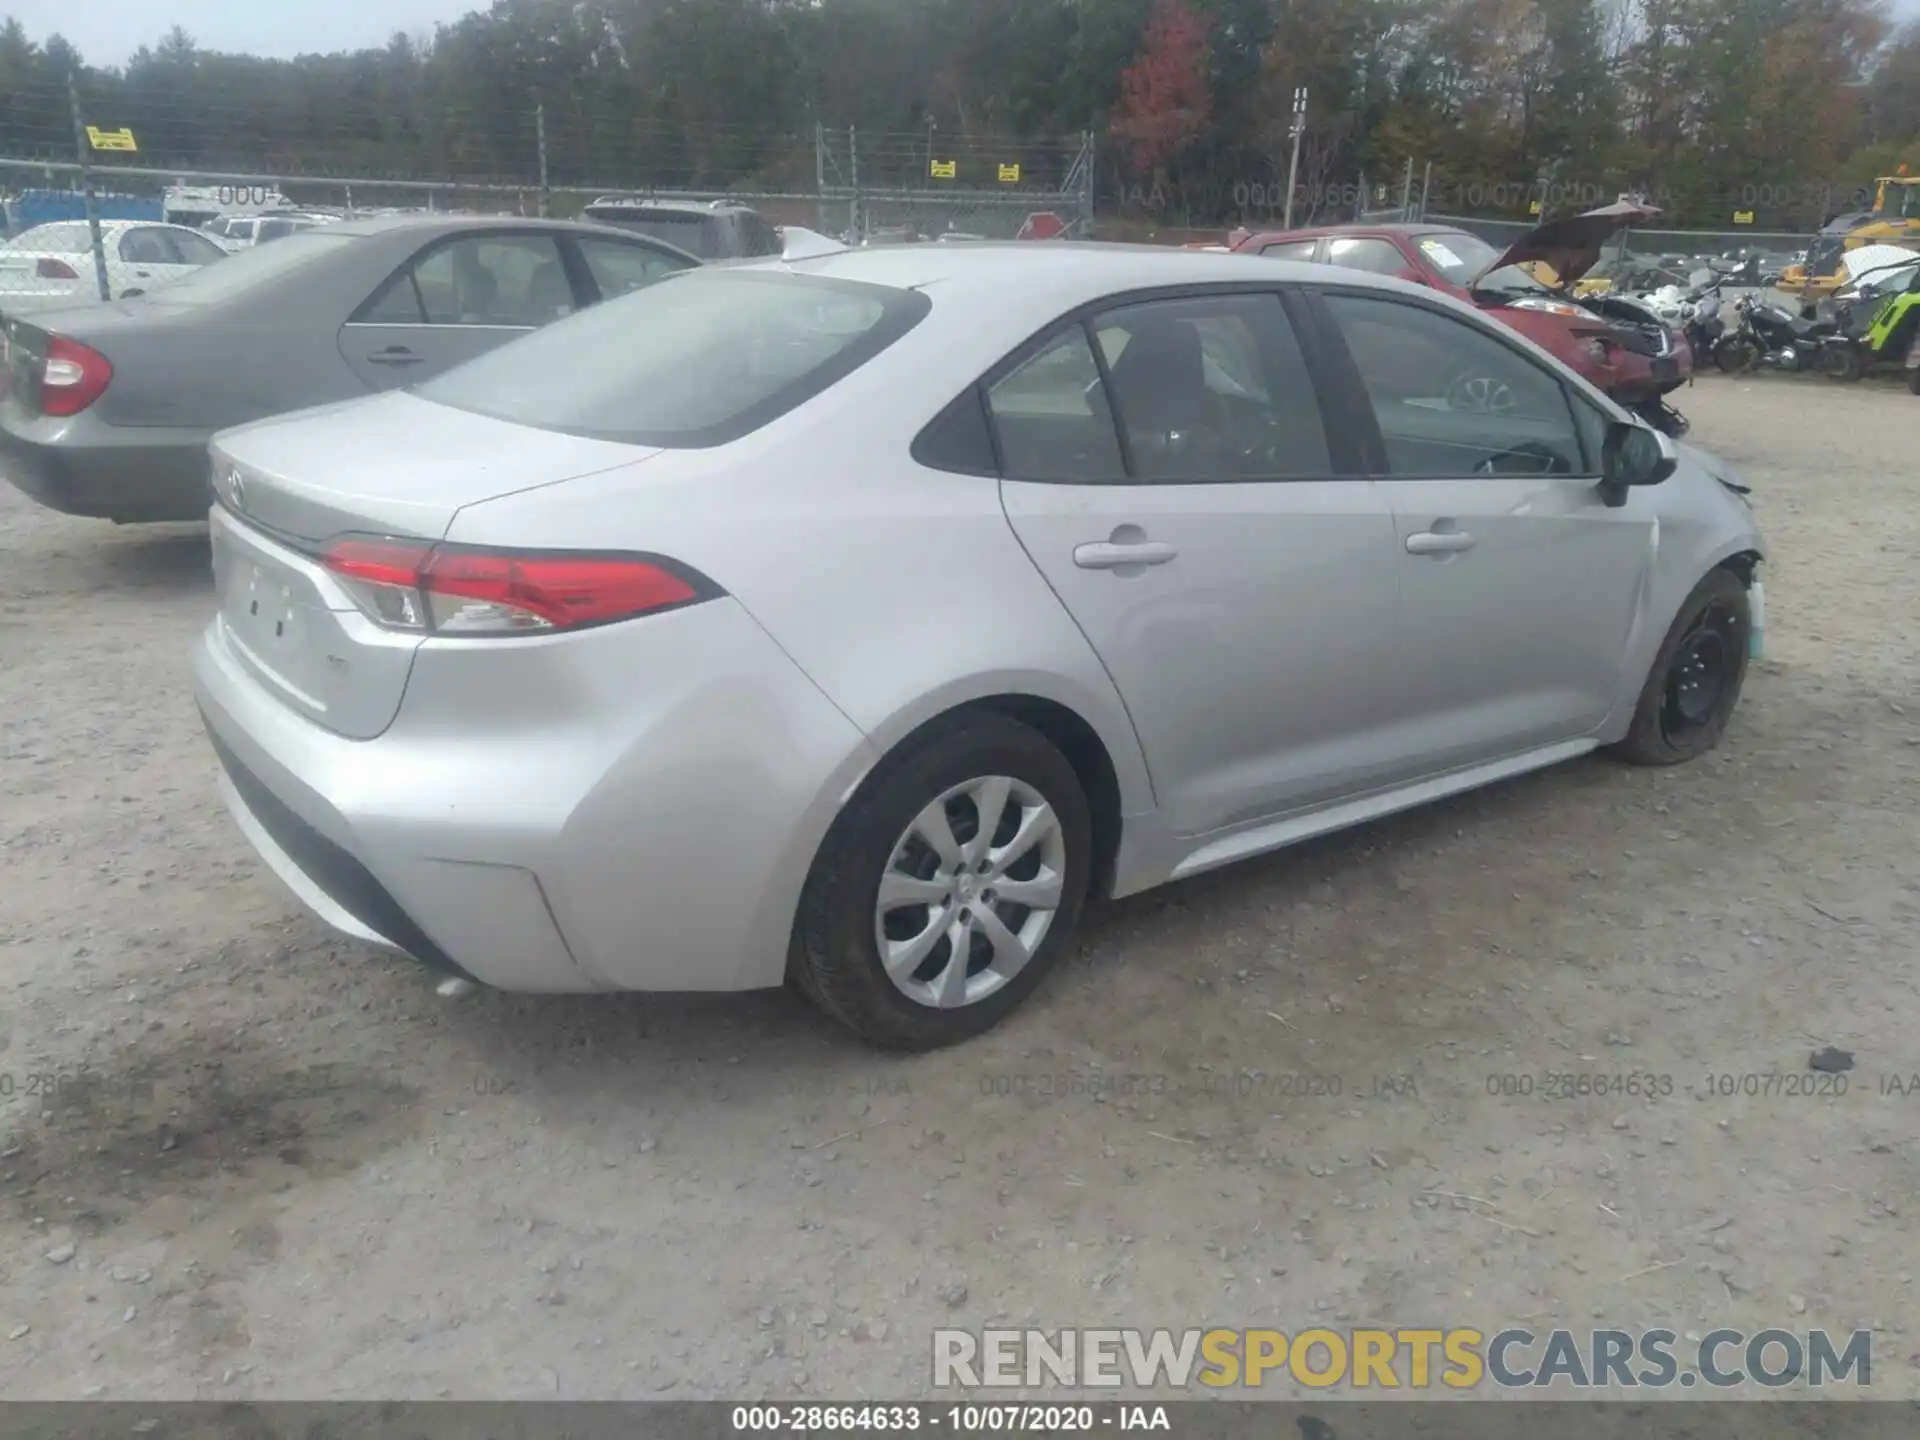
(1613, 341)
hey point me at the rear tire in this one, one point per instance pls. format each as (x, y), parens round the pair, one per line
(1691, 691)
(955, 943)
(1913, 378)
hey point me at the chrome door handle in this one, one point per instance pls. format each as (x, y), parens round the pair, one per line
(1445, 542)
(394, 355)
(1105, 555)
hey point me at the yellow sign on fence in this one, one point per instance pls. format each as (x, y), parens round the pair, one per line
(944, 169)
(1533, 207)
(1009, 174)
(1743, 217)
(110, 139)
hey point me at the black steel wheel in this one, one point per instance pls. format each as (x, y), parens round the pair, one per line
(1695, 681)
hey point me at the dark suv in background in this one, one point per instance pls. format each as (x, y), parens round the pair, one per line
(716, 230)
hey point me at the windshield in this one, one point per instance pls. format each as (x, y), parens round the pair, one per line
(1460, 257)
(258, 266)
(698, 358)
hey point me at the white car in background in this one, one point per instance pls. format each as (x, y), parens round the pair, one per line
(53, 263)
(242, 232)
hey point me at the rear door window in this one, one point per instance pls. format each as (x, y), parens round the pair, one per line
(503, 280)
(1053, 416)
(618, 267)
(1290, 250)
(187, 248)
(1213, 388)
(147, 246)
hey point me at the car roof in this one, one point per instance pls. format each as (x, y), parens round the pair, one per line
(430, 226)
(386, 224)
(674, 207)
(109, 227)
(1021, 279)
(1357, 227)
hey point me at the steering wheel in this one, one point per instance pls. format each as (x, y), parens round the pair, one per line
(1481, 395)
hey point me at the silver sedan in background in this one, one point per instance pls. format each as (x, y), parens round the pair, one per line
(106, 410)
(855, 620)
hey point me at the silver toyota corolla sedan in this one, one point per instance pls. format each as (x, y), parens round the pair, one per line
(855, 620)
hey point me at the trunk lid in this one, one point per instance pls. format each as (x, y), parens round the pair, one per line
(390, 465)
(1571, 247)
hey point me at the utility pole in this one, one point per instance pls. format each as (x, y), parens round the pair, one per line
(1293, 167)
(1426, 184)
(854, 218)
(1406, 190)
(84, 149)
(540, 134)
(820, 176)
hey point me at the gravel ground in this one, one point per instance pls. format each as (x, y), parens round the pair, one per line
(270, 1163)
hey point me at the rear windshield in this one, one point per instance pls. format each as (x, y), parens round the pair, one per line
(261, 265)
(690, 233)
(696, 359)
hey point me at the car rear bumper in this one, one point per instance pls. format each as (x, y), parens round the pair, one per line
(629, 808)
(82, 467)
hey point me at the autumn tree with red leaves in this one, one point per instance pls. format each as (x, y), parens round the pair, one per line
(1164, 99)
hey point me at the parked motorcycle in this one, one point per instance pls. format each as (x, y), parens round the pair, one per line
(1695, 311)
(1766, 336)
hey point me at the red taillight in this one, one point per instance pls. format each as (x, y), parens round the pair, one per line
(75, 376)
(456, 590)
(51, 269)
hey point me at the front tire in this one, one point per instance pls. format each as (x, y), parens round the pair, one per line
(1735, 355)
(949, 886)
(1843, 363)
(1695, 681)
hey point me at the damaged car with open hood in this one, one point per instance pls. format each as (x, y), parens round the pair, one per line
(1614, 341)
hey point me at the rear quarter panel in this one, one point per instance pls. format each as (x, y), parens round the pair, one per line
(900, 591)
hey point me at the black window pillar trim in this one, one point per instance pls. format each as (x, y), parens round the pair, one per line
(1353, 429)
(1107, 394)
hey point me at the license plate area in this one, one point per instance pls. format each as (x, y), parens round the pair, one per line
(1666, 368)
(262, 609)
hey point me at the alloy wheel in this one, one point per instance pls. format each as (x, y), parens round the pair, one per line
(969, 891)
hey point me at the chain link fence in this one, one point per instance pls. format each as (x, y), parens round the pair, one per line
(123, 217)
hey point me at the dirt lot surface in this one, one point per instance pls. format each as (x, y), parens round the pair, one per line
(269, 1163)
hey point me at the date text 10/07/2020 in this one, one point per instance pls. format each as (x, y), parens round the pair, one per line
(1644, 1084)
(1243, 1084)
(952, 1419)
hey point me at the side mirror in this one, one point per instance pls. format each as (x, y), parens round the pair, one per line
(1634, 455)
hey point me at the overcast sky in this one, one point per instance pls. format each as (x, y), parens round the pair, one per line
(108, 31)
